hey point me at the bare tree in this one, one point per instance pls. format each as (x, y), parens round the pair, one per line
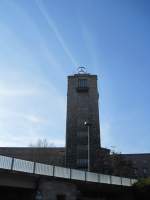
(43, 143)
(114, 164)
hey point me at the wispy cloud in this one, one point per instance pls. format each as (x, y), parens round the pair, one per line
(21, 129)
(24, 117)
(27, 139)
(90, 45)
(35, 119)
(54, 28)
(7, 92)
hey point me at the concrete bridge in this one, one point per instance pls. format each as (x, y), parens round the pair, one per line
(22, 179)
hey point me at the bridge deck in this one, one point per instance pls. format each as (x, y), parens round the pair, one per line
(18, 165)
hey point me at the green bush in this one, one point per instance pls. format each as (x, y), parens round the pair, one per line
(142, 189)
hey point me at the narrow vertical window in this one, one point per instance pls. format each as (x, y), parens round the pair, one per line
(82, 85)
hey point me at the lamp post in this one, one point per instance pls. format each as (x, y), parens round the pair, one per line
(87, 124)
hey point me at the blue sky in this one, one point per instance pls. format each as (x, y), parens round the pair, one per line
(43, 41)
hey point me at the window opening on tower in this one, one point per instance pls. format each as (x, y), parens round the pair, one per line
(82, 85)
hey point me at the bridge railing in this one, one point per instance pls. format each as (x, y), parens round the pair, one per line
(19, 165)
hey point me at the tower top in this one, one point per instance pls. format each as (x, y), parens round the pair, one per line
(82, 70)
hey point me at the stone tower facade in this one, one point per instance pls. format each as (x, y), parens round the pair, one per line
(82, 105)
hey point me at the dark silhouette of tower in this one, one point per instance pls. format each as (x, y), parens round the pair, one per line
(82, 105)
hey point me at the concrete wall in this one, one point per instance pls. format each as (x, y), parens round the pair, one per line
(51, 190)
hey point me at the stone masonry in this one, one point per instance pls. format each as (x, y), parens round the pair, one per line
(82, 105)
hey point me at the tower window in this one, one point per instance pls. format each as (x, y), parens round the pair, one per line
(82, 162)
(145, 170)
(82, 134)
(82, 85)
(82, 148)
